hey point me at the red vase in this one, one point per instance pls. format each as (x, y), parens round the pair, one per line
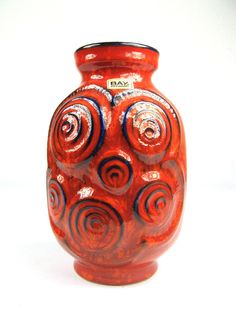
(116, 166)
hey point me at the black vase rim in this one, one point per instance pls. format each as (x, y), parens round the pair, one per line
(117, 43)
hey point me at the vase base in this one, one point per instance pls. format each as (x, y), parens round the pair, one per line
(120, 275)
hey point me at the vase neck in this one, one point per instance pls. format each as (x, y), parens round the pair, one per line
(97, 62)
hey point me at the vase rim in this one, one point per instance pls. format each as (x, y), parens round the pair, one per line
(117, 43)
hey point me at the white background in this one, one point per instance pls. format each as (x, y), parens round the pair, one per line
(197, 69)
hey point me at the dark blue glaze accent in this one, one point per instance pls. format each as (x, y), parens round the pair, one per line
(80, 126)
(124, 123)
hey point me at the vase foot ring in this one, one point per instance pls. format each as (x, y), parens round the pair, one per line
(120, 275)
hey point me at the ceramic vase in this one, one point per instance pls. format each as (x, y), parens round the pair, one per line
(116, 166)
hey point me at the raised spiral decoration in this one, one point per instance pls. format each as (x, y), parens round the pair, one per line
(147, 128)
(115, 172)
(94, 225)
(154, 204)
(77, 130)
(56, 200)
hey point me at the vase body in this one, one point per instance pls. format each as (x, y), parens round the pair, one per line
(116, 166)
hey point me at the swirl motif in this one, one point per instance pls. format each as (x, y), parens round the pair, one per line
(154, 204)
(115, 172)
(74, 138)
(56, 200)
(137, 92)
(98, 88)
(147, 128)
(95, 225)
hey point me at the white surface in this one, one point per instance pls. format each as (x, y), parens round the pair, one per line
(197, 42)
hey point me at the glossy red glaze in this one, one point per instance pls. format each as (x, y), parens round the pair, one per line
(116, 166)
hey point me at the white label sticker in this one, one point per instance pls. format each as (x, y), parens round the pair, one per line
(120, 83)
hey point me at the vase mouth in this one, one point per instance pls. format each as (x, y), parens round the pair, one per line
(117, 43)
(116, 54)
